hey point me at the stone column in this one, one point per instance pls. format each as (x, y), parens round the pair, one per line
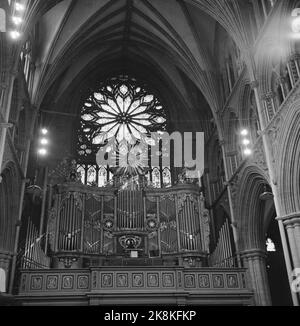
(292, 226)
(255, 262)
(5, 112)
(5, 262)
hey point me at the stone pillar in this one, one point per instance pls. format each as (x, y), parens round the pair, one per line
(255, 262)
(5, 112)
(292, 226)
(5, 263)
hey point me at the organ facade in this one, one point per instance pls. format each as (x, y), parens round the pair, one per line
(128, 236)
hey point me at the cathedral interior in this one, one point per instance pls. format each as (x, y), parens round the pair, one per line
(77, 230)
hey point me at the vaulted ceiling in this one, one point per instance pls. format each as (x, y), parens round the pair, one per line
(172, 45)
(162, 40)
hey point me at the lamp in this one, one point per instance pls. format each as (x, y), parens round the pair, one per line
(296, 20)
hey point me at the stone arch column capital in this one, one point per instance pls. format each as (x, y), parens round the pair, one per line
(290, 220)
(253, 253)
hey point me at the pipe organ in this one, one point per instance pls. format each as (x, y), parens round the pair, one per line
(222, 256)
(87, 223)
(129, 241)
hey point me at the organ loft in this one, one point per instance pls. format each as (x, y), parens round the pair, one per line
(128, 236)
(149, 152)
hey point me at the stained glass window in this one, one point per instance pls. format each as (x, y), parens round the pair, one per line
(156, 179)
(102, 181)
(122, 108)
(167, 178)
(91, 176)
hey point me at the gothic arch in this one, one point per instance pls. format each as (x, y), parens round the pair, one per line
(251, 223)
(9, 190)
(288, 167)
(275, 48)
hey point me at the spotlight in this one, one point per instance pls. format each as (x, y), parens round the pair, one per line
(248, 152)
(42, 152)
(246, 142)
(244, 132)
(15, 35)
(296, 25)
(17, 20)
(19, 6)
(44, 141)
(296, 21)
(44, 131)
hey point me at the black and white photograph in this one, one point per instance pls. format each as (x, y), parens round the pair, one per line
(149, 156)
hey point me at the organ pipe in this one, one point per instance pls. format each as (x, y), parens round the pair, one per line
(181, 228)
(82, 224)
(222, 256)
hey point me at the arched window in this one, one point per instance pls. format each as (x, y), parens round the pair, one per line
(124, 109)
(156, 178)
(102, 178)
(167, 178)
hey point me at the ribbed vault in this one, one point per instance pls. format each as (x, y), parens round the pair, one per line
(171, 35)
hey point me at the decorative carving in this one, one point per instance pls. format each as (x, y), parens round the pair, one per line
(232, 281)
(68, 261)
(130, 242)
(204, 281)
(153, 280)
(67, 170)
(234, 190)
(190, 281)
(259, 157)
(52, 283)
(108, 223)
(107, 280)
(83, 282)
(218, 281)
(68, 282)
(52, 227)
(168, 225)
(184, 179)
(152, 223)
(273, 134)
(138, 280)
(36, 283)
(168, 280)
(206, 229)
(122, 280)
